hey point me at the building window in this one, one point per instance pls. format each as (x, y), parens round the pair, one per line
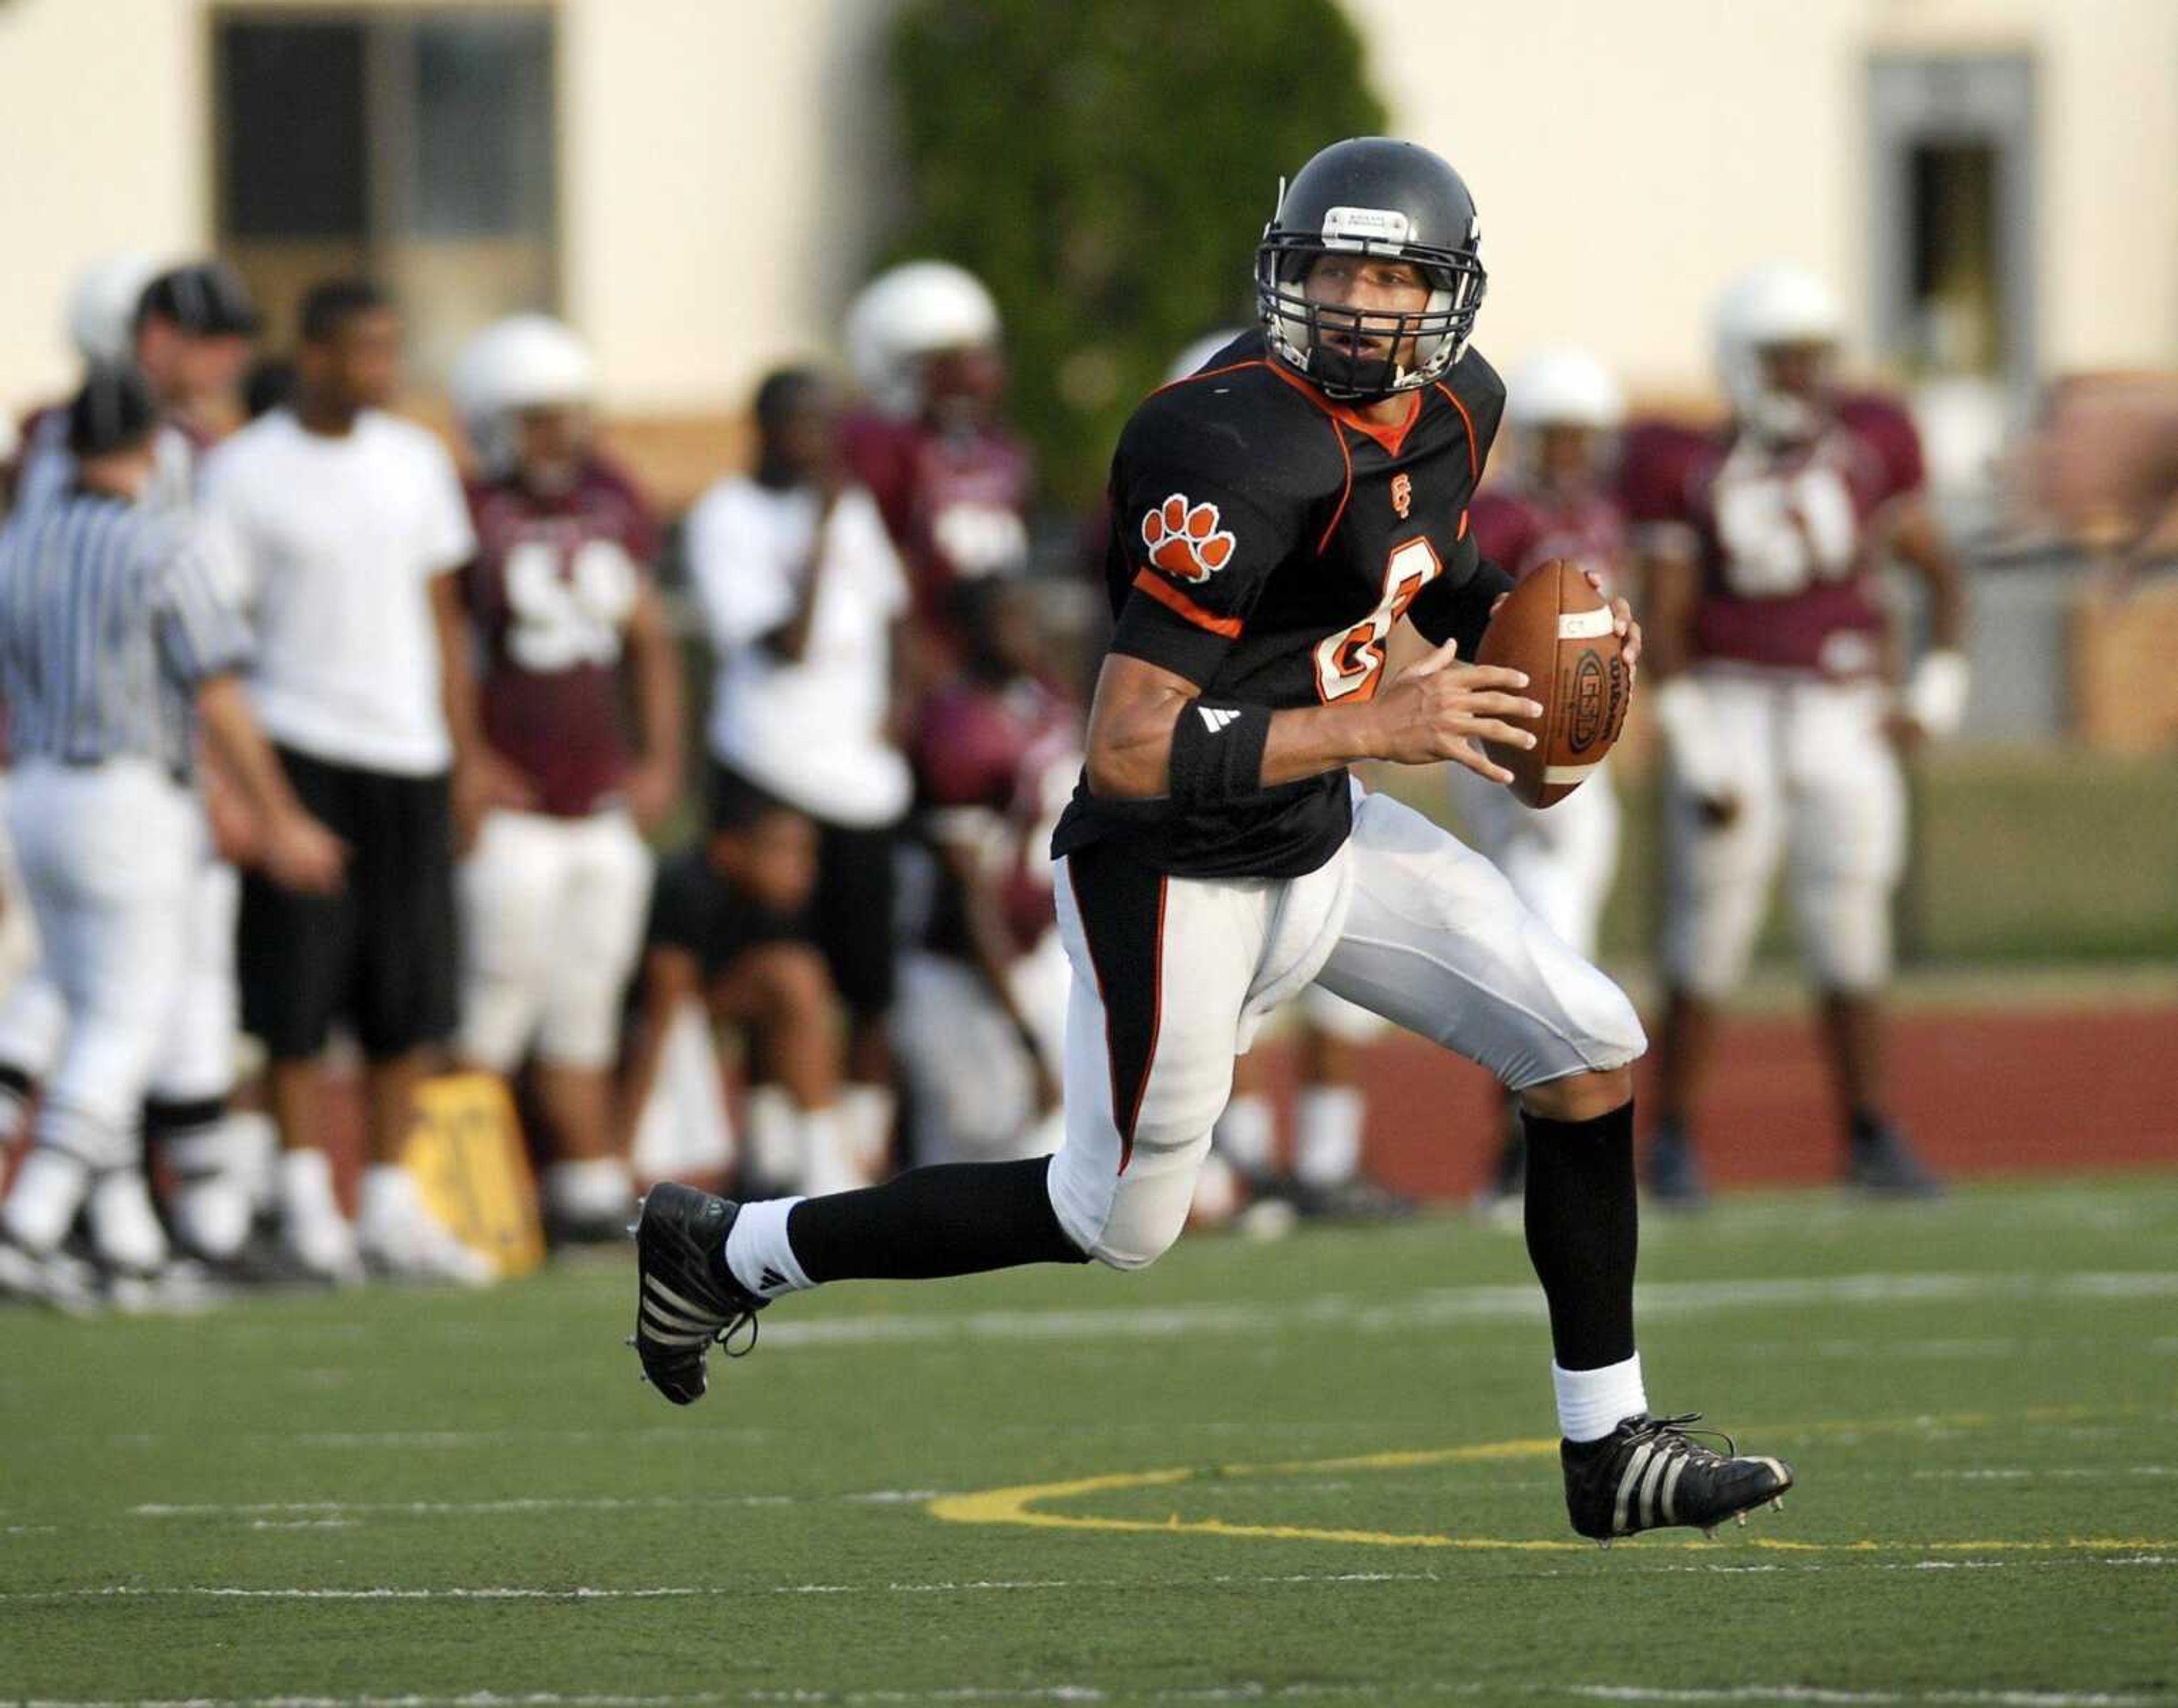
(415, 143)
(1953, 159)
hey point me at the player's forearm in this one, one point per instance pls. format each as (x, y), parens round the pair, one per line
(1308, 740)
(1920, 542)
(245, 756)
(660, 716)
(1668, 615)
(1130, 759)
(457, 689)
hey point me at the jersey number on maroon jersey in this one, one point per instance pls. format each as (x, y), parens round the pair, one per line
(562, 620)
(1781, 533)
(980, 539)
(1348, 663)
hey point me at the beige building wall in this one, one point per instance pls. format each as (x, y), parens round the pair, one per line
(1629, 159)
(105, 135)
(724, 174)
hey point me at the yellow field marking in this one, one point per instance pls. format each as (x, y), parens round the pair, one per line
(1019, 1505)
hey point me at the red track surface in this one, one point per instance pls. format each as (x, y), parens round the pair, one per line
(1981, 1092)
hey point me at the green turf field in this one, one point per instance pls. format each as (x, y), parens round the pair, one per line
(1318, 1471)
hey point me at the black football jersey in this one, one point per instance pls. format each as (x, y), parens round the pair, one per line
(1264, 542)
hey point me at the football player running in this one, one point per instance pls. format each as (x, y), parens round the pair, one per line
(558, 879)
(1557, 503)
(1273, 518)
(1761, 548)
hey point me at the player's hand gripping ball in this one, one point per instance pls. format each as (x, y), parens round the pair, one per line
(1559, 629)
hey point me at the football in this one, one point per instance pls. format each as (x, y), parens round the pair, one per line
(1557, 627)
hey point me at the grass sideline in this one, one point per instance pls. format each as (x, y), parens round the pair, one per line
(446, 1498)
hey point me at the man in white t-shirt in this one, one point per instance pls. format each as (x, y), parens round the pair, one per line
(347, 525)
(801, 592)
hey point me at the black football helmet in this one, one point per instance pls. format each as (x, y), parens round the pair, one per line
(1372, 195)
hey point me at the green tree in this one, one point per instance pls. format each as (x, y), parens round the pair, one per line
(1106, 168)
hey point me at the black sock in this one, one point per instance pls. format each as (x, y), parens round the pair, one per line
(1583, 1231)
(951, 1218)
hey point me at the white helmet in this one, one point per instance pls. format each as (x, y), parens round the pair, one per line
(1759, 311)
(101, 308)
(1563, 387)
(524, 362)
(1199, 352)
(915, 310)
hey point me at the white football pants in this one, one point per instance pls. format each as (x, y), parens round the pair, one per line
(1819, 782)
(1559, 859)
(197, 1062)
(552, 916)
(1172, 976)
(108, 854)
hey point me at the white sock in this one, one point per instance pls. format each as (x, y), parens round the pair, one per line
(256, 1139)
(49, 1189)
(389, 1195)
(1248, 1132)
(124, 1228)
(866, 1114)
(827, 1162)
(593, 1185)
(211, 1216)
(306, 1188)
(757, 1251)
(775, 1141)
(1590, 1402)
(1327, 1134)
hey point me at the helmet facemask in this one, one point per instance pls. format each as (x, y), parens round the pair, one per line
(1305, 334)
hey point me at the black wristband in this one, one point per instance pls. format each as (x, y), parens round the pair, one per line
(1217, 753)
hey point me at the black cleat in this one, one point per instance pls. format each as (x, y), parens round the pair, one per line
(1883, 1163)
(1650, 1472)
(1670, 1170)
(686, 1297)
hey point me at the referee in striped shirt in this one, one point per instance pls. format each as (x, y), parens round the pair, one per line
(114, 649)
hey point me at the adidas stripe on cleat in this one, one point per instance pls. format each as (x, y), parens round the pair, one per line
(686, 1297)
(1649, 1473)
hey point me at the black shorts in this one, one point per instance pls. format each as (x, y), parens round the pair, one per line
(381, 954)
(849, 918)
(694, 909)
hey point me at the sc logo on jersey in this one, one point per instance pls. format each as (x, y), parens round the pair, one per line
(1184, 539)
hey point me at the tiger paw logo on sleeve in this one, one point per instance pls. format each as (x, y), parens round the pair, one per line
(1184, 539)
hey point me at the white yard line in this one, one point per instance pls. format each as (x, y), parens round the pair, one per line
(1433, 1307)
(519, 1592)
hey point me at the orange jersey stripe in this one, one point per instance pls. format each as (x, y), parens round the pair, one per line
(1170, 597)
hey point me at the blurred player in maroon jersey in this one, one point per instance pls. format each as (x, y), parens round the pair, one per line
(1558, 501)
(952, 483)
(981, 1025)
(558, 877)
(1781, 726)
